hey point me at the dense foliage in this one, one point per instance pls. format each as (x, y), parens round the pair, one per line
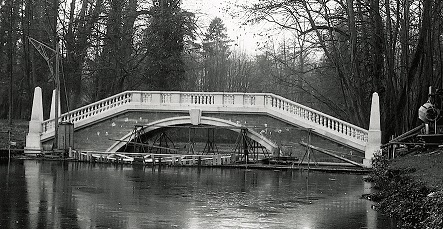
(329, 55)
(390, 47)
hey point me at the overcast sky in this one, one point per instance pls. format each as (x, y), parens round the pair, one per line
(243, 36)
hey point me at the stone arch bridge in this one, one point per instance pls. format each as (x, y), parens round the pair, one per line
(276, 123)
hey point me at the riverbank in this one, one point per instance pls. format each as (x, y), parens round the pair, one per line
(18, 130)
(410, 188)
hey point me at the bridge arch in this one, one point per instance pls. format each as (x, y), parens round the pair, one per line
(268, 144)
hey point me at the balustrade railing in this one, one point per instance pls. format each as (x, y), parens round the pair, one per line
(206, 100)
(89, 110)
(316, 118)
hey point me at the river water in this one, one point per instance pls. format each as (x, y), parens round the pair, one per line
(54, 194)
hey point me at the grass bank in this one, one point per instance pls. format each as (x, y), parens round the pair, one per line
(410, 188)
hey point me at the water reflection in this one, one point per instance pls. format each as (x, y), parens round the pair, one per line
(77, 195)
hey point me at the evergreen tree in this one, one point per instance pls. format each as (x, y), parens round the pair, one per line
(165, 43)
(216, 54)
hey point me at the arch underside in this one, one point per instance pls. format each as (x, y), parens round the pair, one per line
(183, 120)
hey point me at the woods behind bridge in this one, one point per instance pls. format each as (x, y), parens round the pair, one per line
(332, 56)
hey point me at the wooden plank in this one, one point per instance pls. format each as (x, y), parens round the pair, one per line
(331, 154)
(405, 135)
(142, 144)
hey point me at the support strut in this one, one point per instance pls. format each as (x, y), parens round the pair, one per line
(210, 147)
(136, 137)
(163, 141)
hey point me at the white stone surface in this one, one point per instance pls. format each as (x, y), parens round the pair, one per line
(52, 113)
(374, 133)
(33, 138)
(195, 115)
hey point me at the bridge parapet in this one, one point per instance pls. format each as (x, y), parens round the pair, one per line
(318, 120)
(267, 103)
(90, 110)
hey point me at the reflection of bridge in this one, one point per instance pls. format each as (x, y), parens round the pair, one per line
(272, 121)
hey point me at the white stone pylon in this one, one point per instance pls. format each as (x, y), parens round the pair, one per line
(33, 143)
(52, 113)
(374, 134)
